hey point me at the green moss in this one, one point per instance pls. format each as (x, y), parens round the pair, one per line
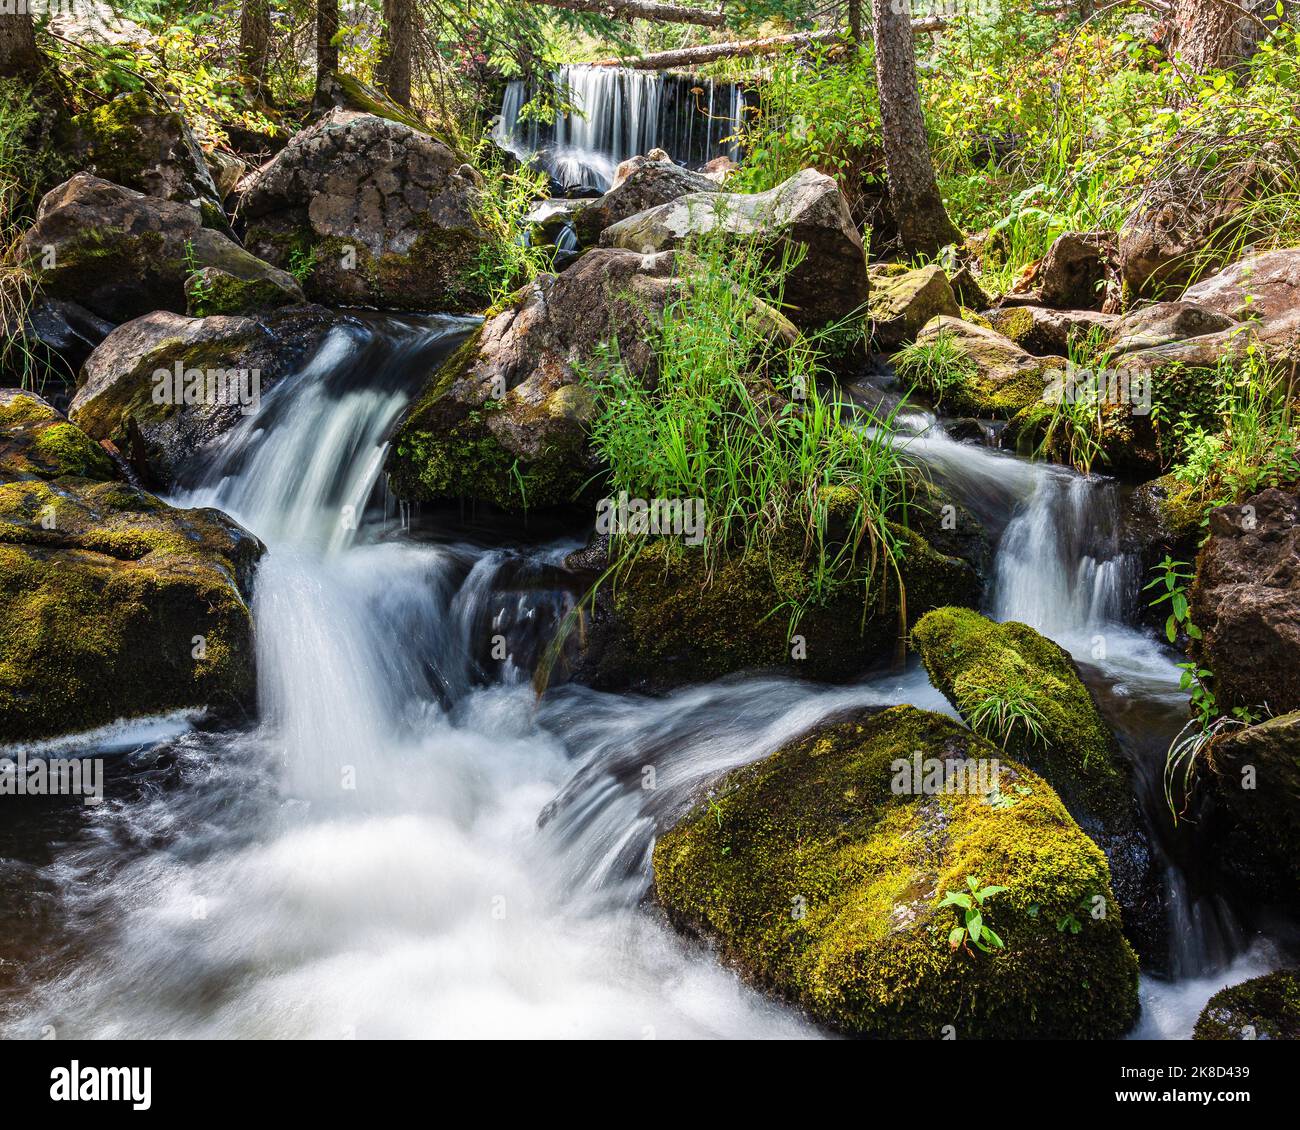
(972, 660)
(673, 618)
(65, 449)
(1263, 1008)
(1015, 322)
(103, 589)
(821, 882)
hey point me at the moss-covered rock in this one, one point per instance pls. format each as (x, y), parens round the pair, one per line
(664, 619)
(505, 419)
(1263, 1008)
(1050, 333)
(821, 879)
(121, 254)
(995, 377)
(112, 604)
(1023, 691)
(229, 363)
(369, 210)
(134, 141)
(904, 299)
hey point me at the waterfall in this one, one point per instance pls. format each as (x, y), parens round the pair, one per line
(410, 843)
(619, 113)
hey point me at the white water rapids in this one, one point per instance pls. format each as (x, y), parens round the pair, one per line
(410, 843)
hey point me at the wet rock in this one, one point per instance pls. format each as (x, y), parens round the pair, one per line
(1251, 813)
(1055, 727)
(120, 253)
(370, 211)
(48, 349)
(1263, 1008)
(1246, 602)
(807, 210)
(119, 399)
(1163, 518)
(819, 876)
(112, 604)
(903, 300)
(505, 419)
(991, 374)
(1050, 333)
(137, 143)
(639, 183)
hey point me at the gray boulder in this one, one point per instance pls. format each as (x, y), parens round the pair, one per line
(640, 183)
(373, 212)
(118, 400)
(807, 211)
(120, 253)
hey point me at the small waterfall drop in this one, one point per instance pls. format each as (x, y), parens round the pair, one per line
(619, 113)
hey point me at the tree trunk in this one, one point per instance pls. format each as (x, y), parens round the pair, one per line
(394, 68)
(1212, 34)
(642, 10)
(710, 52)
(18, 54)
(855, 20)
(327, 51)
(914, 196)
(255, 40)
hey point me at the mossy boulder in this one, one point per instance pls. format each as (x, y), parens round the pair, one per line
(1263, 1008)
(990, 671)
(135, 141)
(369, 211)
(123, 400)
(664, 619)
(903, 299)
(820, 878)
(121, 254)
(994, 376)
(1047, 332)
(505, 419)
(112, 604)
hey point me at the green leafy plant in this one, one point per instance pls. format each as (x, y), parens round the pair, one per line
(973, 928)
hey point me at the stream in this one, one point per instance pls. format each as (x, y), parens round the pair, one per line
(410, 843)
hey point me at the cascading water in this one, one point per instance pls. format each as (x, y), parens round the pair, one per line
(619, 113)
(410, 843)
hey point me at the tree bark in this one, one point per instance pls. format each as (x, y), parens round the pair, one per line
(1211, 34)
(327, 51)
(642, 10)
(918, 209)
(18, 54)
(394, 69)
(710, 52)
(255, 40)
(855, 20)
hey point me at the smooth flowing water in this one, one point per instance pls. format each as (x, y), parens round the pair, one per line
(618, 113)
(410, 842)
